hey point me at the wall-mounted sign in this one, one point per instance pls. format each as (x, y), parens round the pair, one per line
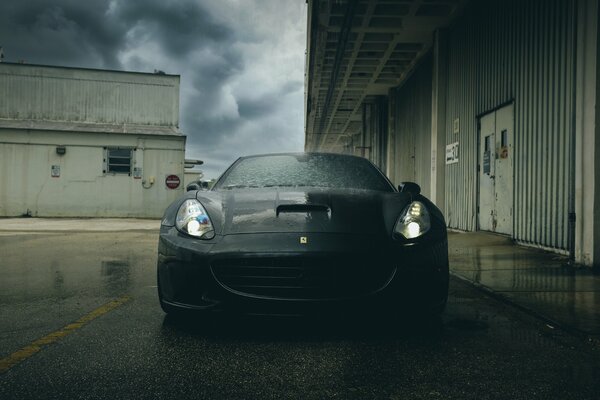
(137, 173)
(55, 171)
(456, 126)
(452, 153)
(172, 181)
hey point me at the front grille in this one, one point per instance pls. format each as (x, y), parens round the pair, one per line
(302, 277)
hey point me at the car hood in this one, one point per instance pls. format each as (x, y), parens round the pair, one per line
(275, 210)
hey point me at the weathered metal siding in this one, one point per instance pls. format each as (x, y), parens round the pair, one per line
(374, 134)
(83, 189)
(79, 95)
(412, 128)
(522, 51)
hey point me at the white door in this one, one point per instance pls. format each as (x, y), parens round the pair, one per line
(496, 171)
(487, 139)
(504, 170)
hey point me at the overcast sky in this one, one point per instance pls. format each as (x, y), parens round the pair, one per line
(241, 61)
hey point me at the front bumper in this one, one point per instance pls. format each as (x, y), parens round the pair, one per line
(277, 274)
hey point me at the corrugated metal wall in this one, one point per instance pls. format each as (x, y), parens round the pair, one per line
(507, 50)
(79, 95)
(411, 129)
(374, 132)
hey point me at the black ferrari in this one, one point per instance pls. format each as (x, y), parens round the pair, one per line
(303, 233)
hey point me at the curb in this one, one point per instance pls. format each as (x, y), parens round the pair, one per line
(22, 226)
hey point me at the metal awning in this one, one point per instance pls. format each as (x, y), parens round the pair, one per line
(362, 48)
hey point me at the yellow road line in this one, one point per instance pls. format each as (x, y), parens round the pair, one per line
(27, 351)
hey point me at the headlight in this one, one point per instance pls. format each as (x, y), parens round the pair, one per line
(193, 219)
(414, 221)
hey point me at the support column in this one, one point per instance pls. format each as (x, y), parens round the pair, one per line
(438, 118)
(587, 132)
(595, 170)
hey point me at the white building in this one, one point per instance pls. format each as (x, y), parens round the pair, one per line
(88, 143)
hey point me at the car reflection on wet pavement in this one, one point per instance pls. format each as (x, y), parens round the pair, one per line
(480, 348)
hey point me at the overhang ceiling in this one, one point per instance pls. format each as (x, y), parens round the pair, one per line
(358, 49)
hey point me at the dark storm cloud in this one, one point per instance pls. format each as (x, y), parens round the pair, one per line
(240, 62)
(179, 25)
(206, 131)
(249, 108)
(209, 131)
(68, 32)
(267, 103)
(215, 68)
(40, 31)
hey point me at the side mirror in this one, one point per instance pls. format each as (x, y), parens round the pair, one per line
(409, 187)
(192, 186)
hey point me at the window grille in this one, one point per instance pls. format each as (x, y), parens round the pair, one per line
(118, 160)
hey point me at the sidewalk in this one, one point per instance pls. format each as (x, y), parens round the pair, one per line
(535, 280)
(37, 225)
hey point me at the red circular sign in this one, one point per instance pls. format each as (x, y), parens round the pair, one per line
(172, 181)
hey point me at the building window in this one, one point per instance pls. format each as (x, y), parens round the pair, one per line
(118, 160)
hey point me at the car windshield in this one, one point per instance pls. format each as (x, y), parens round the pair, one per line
(298, 170)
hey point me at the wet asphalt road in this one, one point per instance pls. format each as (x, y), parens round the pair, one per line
(479, 349)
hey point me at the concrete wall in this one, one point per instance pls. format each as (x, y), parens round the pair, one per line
(83, 189)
